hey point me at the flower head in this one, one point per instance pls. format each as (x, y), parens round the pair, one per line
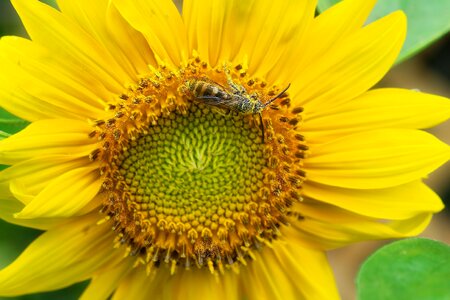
(215, 153)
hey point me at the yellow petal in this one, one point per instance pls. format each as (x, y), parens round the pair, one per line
(60, 257)
(272, 30)
(48, 137)
(34, 78)
(185, 284)
(325, 31)
(161, 25)
(35, 174)
(310, 265)
(9, 206)
(104, 283)
(334, 25)
(20, 191)
(51, 29)
(235, 30)
(381, 108)
(328, 227)
(289, 271)
(102, 21)
(206, 27)
(395, 203)
(202, 284)
(376, 159)
(137, 285)
(65, 195)
(351, 67)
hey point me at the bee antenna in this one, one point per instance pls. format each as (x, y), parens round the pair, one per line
(277, 96)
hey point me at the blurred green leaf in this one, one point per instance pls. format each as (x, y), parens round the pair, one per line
(10, 124)
(325, 4)
(407, 269)
(50, 2)
(13, 240)
(427, 20)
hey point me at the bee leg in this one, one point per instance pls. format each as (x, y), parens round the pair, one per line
(220, 111)
(236, 89)
(262, 127)
(227, 112)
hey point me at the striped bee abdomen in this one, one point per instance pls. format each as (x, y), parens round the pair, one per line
(202, 89)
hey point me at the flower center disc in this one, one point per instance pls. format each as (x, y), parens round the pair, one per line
(192, 179)
(188, 183)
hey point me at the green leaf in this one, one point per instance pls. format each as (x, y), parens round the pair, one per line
(407, 269)
(427, 20)
(13, 240)
(50, 2)
(325, 4)
(10, 124)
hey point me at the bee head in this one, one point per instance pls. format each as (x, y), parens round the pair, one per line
(259, 107)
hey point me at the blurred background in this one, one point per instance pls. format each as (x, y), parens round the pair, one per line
(428, 71)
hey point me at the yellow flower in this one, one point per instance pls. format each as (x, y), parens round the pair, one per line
(148, 166)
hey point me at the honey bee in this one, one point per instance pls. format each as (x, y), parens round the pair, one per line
(235, 98)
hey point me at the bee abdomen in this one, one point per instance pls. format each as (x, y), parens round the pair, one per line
(204, 89)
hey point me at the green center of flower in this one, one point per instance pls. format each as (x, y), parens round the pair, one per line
(190, 183)
(194, 170)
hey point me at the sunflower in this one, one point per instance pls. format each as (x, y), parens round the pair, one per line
(216, 154)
